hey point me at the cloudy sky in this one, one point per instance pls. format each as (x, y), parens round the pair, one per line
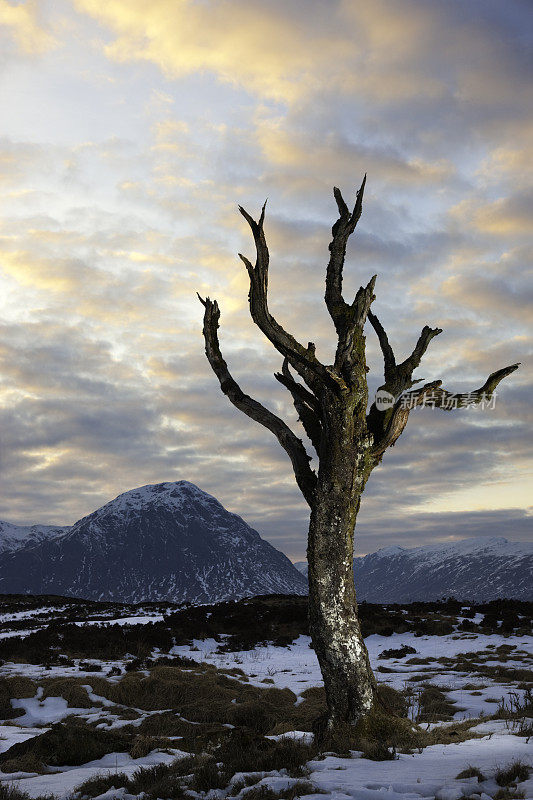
(129, 133)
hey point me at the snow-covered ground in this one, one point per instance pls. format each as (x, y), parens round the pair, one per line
(63, 782)
(38, 618)
(139, 620)
(427, 774)
(15, 616)
(296, 666)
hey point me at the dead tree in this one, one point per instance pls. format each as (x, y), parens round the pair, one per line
(331, 402)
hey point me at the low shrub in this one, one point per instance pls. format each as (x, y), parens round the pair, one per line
(399, 652)
(379, 735)
(434, 627)
(300, 788)
(162, 779)
(446, 734)
(88, 666)
(142, 745)
(509, 794)
(377, 751)
(264, 792)
(26, 762)
(393, 700)
(245, 751)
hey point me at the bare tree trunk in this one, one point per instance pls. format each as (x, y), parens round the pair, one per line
(333, 617)
(334, 625)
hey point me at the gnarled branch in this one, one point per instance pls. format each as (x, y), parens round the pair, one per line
(433, 395)
(341, 231)
(399, 377)
(302, 359)
(348, 319)
(448, 401)
(386, 426)
(305, 476)
(413, 361)
(395, 422)
(386, 349)
(305, 403)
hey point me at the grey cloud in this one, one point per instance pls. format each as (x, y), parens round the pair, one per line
(107, 384)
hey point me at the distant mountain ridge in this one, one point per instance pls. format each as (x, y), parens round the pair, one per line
(169, 541)
(172, 541)
(13, 537)
(480, 569)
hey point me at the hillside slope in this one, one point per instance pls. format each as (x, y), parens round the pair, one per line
(169, 541)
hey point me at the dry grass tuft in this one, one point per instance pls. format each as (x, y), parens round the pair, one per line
(471, 772)
(27, 762)
(65, 743)
(516, 772)
(434, 706)
(142, 745)
(70, 689)
(13, 688)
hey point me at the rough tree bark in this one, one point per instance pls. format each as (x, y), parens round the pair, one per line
(331, 402)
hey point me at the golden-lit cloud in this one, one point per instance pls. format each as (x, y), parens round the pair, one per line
(39, 273)
(22, 21)
(506, 217)
(510, 161)
(488, 296)
(509, 216)
(283, 52)
(260, 46)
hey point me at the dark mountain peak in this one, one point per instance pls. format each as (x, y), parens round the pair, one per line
(174, 494)
(165, 541)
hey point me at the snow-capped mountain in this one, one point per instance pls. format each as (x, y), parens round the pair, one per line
(472, 569)
(169, 541)
(13, 537)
